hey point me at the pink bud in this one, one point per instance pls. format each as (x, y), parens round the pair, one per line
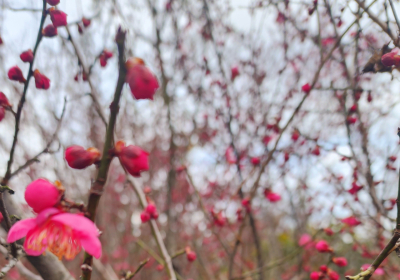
(191, 256)
(306, 88)
(304, 239)
(104, 57)
(295, 135)
(86, 22)
(53, 2)
(328, 231)
(142, 82)
(15, 74)
(49, 31)
(333, 275)
(27, 56)
(145, 217)
(58, 18)
(230, 155)
(271, 196)
(41, 194)
(351, 221)
(234, 73)
(316, 151)
(323, 268)
(246, 204)
(4, 101)
(323, 247)
(79, 158)
(340, 261)
(255, 160)
(152, 210)
(351, 120)
(134, 159)
(316, 275)
(41, 81)
(391, 58)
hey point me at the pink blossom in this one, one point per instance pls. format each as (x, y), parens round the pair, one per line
(315, 275)
(323, 247)
(271, 196)
(333, 275)
(41, 194)
(63, 234)
(351, 221)
(304, 239)
(340, 261)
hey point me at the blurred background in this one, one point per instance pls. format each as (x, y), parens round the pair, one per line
(249, 167)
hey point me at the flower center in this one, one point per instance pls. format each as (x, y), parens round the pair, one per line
(58, 238)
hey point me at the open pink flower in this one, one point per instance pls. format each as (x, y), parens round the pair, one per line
(63, 234)
(133, 158)
(141, 80)
(41, 194)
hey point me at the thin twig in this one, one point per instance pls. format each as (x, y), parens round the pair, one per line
(130, 275)
(394, 13)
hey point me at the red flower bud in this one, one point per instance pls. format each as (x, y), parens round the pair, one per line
(295, 135)
(152, 210)
(53, 2)
(2, 113)
(58, 18)
(86, 22)
(316, 151)
(132, 158)
(333, 275)
(15, 74)
(246, 204)
(351, 120)
(340, 261)
(142, 82)
(234, 73)
(391, 58)
(328, 231)
(353, 108)
(316, 275)
(49, 31)
(306, 88)
(323, 268)
(27, 56)
(271, 196)
(79, 158)
(41, 81)
(351, 221)
(104, 57)
(255, 160)
(4, 101)
(145, 217)
(41, 194)
(191, 256)
(323, 247)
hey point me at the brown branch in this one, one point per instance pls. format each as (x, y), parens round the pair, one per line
(97, 187)
(130, 275)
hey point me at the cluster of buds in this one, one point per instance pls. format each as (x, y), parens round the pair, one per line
(104, 57)
(84, 24)
(324, 273)
(15, 73)
(58, 19)
(4, 104)
(150, 212)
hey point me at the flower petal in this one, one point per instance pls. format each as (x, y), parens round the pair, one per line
(20, 229)
(92, 245)
(78, 223)
(45, 214)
